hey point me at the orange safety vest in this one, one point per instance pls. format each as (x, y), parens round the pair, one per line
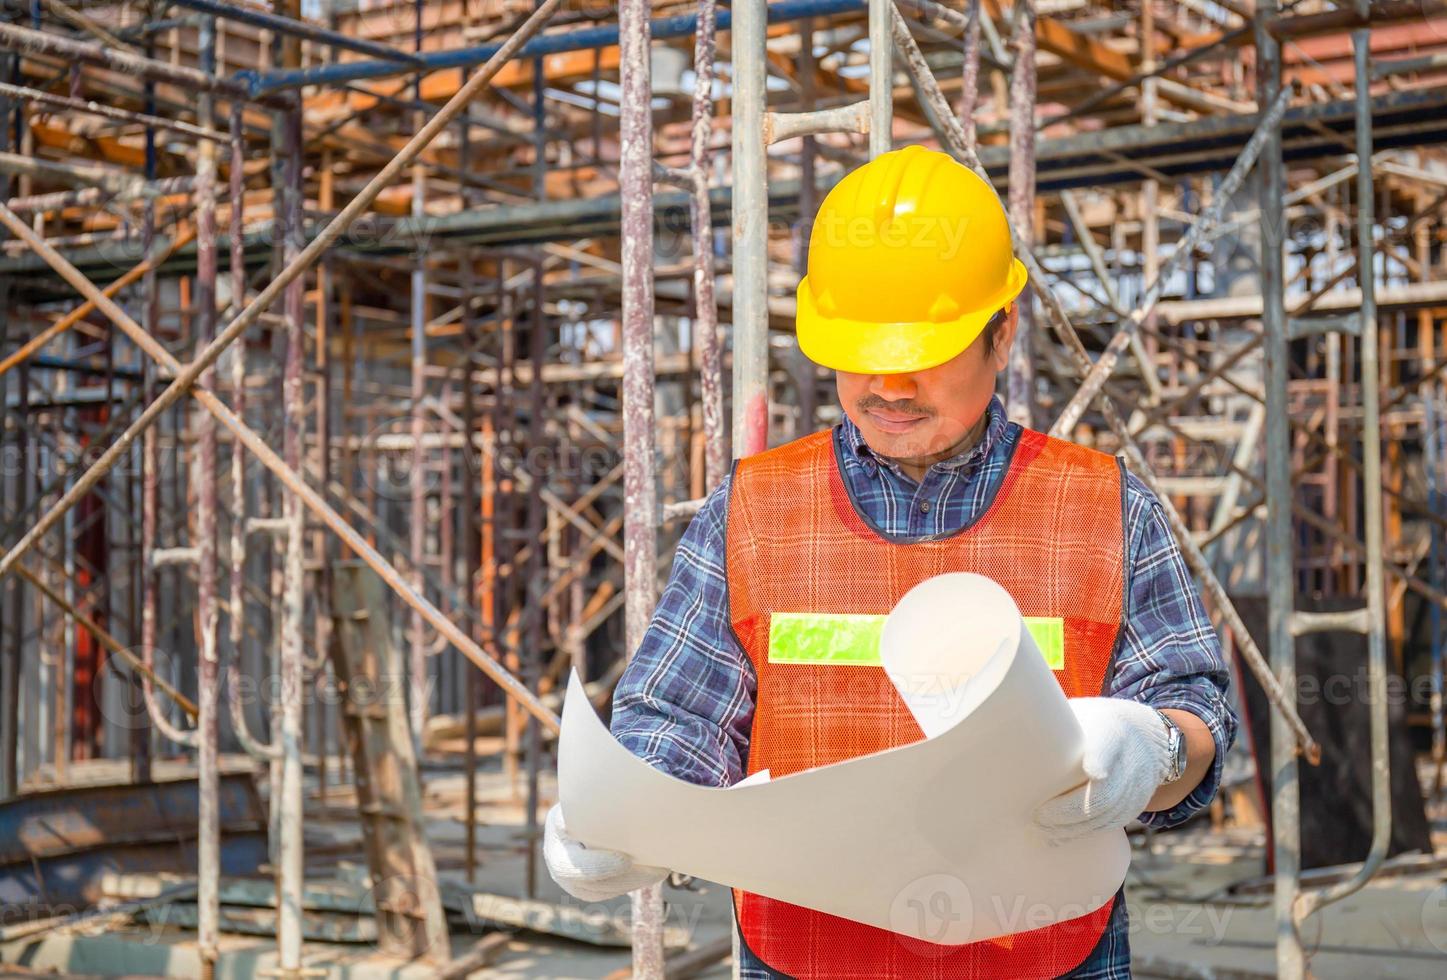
(1053, 536)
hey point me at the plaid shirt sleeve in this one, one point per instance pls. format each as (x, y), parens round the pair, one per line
(685, 702)
(1170, 654)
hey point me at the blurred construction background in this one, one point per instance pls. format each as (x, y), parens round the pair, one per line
(361, 364)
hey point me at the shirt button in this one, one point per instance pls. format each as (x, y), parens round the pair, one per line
(924, 507)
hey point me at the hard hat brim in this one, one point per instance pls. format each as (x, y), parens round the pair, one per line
(869, 347)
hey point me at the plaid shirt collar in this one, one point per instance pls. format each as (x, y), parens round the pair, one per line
(995, 424)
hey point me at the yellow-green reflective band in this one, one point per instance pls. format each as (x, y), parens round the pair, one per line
(852, 639)
(847, 639)
(1049, 635)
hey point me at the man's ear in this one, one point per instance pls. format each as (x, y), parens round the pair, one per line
(1005, 337)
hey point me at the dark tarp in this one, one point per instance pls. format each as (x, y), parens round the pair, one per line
(1336, 796)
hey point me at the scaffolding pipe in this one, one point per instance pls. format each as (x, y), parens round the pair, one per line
(640, 476)
(1020, 370)
(881, 76)
(1376, 613)
(684, 25)
(299, 29)
(705, 302)
(26, 41)
(417, 477)
(1280, 566)
(110, 112)
(64, 323)
(290, 874)
(236, 621)
(108, 641)
(1434, 451)
(204, 479)
(750, 231)
(970, 72)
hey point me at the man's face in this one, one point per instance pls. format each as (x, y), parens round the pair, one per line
(923, 414)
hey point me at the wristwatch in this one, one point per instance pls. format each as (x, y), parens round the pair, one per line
(1176, 746)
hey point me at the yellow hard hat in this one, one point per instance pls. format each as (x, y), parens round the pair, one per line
(909, 258)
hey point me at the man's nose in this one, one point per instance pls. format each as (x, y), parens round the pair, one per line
(893, 387)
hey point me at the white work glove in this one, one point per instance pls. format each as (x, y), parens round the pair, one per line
(1127, 757)
(591, 874)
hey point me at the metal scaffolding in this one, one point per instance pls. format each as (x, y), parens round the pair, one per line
(472, 349)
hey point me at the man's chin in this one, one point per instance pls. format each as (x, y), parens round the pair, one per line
(898, 447)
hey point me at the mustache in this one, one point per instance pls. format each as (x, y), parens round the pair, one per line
(902, 407)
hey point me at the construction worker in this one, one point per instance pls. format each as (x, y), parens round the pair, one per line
(911, 297)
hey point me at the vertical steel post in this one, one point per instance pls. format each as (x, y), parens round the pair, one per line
(1150, 196)
(237, 583)
(1280, 567)
(150, 476)
(1020, 372)
(537, 407)
(1372, 451)
(418, 478)
(1375, 623)
(1433, 454)
(208, 843)
(290, 874)
(9, 604)
(532, 592)
(471, 530)
(640, 491)
(323, 542)
(751, 230)
(804, 369)
(970, 73)
(701, 219)
(881, 76)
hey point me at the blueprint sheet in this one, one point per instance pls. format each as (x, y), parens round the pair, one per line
(932, 840)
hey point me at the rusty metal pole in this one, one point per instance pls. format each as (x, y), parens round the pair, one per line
(10, 652)
(323, 544)
(417, 649)
(533, 611)
(536, 567)
(640, 492)
(1020, 373)
(1280, 565)
(716, 459)
(471, 519)
(204, 478)
(805, 371)
(970, 73)
(290, 875)
(146, 581)
(1145, 351)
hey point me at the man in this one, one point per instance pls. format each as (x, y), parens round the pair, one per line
(911, 297)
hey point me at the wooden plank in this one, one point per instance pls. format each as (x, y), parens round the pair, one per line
(408, 903)
(572, 921)
(1083, 52)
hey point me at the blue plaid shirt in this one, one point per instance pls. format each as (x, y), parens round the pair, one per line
(685, 702)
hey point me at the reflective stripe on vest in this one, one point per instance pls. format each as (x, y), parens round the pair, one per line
(806, 571)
